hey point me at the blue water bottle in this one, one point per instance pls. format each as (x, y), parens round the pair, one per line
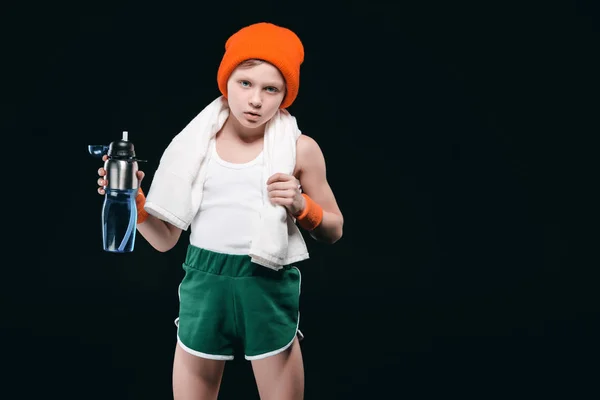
(119, 211)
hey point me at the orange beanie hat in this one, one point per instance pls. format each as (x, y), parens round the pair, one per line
(274, 44)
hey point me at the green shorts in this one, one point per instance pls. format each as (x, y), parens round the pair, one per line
(228, 303)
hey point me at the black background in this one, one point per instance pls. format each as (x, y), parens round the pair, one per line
(458, 140)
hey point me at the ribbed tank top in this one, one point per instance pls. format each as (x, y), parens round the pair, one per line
(231, 204)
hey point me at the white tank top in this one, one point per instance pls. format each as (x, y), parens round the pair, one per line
(231, 204)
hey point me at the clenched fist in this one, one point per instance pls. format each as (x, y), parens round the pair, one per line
(284, 190)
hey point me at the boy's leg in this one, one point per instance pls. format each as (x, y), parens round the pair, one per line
(281, 376)
(267, 310)
(195, 377)
(205, 325)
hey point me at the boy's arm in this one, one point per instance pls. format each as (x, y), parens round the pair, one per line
(310, 171)
(160, 234)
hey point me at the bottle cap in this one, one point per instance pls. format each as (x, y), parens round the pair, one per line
(122, 149)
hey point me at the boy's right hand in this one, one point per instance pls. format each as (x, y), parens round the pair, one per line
(103, 182)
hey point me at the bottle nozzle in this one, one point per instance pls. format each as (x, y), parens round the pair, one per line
(125, 136)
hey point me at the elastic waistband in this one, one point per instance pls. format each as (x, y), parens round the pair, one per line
(234, 265)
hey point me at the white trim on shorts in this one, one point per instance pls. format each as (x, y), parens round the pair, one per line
(199, 353)
(192, 351)
(296, 332)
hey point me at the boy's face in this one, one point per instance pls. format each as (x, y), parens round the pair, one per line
(255, 93)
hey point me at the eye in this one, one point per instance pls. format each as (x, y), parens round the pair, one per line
(272, 89)
(245, 83)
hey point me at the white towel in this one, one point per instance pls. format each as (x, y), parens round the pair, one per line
(176, 191)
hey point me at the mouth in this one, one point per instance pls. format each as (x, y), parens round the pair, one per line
(252, 114)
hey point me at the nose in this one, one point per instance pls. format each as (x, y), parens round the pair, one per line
(255, 99)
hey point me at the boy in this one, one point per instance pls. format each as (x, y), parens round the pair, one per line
(237, 290)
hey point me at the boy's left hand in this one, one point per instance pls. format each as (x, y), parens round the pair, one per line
(284, 190)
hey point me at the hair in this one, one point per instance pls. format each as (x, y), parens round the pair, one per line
(250, 63)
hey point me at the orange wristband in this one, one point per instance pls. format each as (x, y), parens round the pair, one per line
(140, 200)
(311, 216)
